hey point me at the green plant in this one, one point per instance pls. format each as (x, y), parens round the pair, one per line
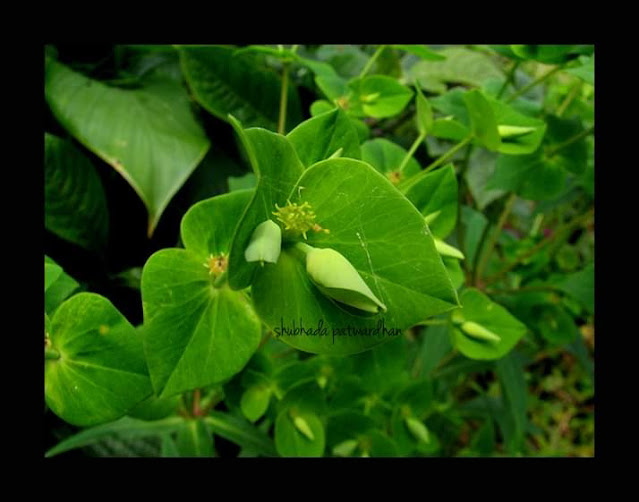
(340, 250)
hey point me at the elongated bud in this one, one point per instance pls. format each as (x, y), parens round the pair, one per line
(335, 277)
(302, 426)
(448, 250)
(417, 429)
(345, 448)
(474, 330)
(429, 218)
(266, 243)
(506, 131)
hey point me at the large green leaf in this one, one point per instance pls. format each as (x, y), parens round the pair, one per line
(480, 309)
(125, 427)
(382, 235)
(197, 331)
(435, 196)
(277, 167)
(101, 372)
(149, 135)
(225, 82)
(461, 66)
(75, 206)
(533, 176)
(322, 136)
(58, 285)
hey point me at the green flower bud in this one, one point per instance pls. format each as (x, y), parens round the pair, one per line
(336, 278)
(429, 218)
(345, 448)
(474, 330)
(302, 426)
(266, 243)
(448, 250)
(417, 429)
(506, 131)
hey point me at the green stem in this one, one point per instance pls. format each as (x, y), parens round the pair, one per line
(493, 238)
(281, 125)
(509, 79)
(532, 84)
(413, 180)
(51, 354)
(449, 154)
(579, 220)
(586, 132)
(569, 99)
(371, 61)
(411, 151)
(220, 280)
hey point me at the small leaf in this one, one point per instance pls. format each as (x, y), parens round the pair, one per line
(255, 401)
(392, 96)
(291, 442)
(481, 310)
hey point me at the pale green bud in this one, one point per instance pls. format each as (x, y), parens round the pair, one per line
(266, 243)
(336, 277)
(474, 330)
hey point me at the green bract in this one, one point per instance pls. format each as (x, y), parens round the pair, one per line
(266, 243)
(334, 275)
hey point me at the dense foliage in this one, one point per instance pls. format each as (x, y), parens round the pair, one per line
(331, 250)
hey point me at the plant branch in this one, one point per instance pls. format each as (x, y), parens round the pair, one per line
(449, 154)
(197, 411)
(411, 151)
(479, 271)
(509, 79)
(532, 84)
(569, 99)
(371, 61)
(281, 124)
(579, 220)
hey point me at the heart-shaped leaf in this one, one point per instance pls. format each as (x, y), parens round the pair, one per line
(435, 196)
(399, 262)
(378, 96)
(101, 372)
(197, 331)
(75, 206)
(226, 82)
(322, 136)
(277, 168)
(155, 148)
(58, 285)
